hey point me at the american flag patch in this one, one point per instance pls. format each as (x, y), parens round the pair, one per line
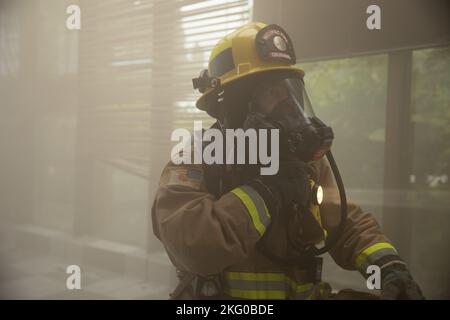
(186, 177)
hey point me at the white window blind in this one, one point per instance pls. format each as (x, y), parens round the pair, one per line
(202, 24)
(115, 71)
(137, 60)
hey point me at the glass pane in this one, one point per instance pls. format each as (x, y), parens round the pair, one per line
(431, 119)
(431, 169)
(350, 96)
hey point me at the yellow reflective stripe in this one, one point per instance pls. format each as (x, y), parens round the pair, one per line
(261, 207)
(262, 277)
(251, 208)
(371, 250)
(315, 211)
(250, 276)
(256, 294)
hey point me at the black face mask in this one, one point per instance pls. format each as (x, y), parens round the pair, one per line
(302, 136)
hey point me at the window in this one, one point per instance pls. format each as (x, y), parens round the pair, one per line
(350, 96)
(429, 180)
(431, 119)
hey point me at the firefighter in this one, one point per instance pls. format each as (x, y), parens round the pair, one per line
(234, 233)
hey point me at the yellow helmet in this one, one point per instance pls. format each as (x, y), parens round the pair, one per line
(251, 49)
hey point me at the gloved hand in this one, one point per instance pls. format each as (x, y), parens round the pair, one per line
(289, 187)
(398, 284)
(285, 194)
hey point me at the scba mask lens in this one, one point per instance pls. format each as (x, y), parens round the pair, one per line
(286, 106)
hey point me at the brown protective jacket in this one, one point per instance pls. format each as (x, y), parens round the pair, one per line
(207, 236)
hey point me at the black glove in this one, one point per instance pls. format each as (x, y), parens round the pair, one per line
(286, 189)
(286, 195)
(398, 284)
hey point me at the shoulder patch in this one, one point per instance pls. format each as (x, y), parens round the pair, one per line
(186, 177)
